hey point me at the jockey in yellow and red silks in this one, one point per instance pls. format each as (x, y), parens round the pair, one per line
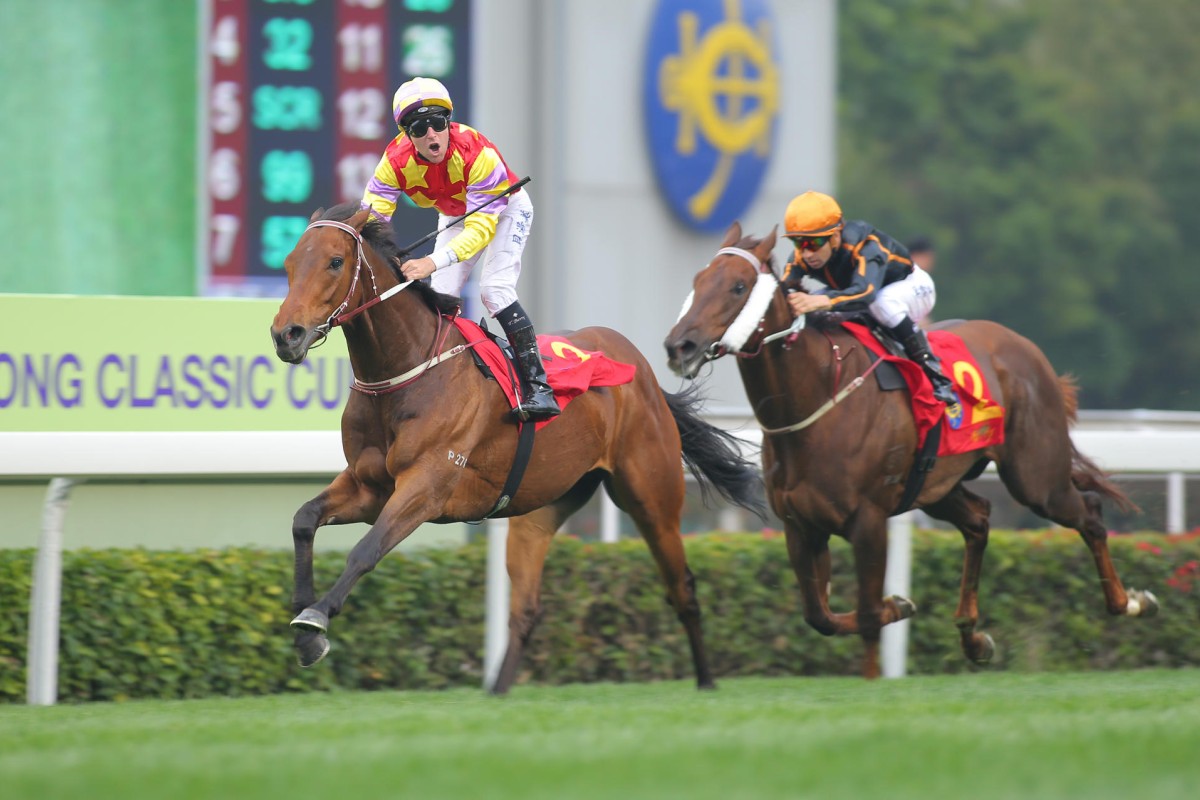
(454, 168)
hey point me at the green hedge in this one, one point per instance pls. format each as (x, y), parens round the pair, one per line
(137, 623)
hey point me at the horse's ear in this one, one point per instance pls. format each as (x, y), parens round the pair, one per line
(316, 215)
(765, 246)
(733, 235)
(359, 219)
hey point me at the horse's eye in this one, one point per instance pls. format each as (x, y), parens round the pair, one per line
(335, 263)
(739, 288)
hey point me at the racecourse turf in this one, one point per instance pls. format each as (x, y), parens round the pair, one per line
(979, 736)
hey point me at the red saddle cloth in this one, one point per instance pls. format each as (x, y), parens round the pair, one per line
(570, 370)
(975, 422)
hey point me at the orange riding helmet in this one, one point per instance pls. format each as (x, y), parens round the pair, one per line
(812, 214)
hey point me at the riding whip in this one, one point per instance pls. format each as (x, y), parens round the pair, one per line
(405, 251)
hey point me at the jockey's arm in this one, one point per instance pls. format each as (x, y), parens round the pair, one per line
(383, 190)
(870, 261)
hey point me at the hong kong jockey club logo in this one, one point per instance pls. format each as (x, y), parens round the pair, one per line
(711, 98)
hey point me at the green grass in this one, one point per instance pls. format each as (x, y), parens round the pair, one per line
(1005, 735)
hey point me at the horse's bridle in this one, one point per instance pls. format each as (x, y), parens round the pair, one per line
(752, 318)
(340, 315)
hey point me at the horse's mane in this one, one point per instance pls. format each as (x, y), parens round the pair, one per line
(378, 234)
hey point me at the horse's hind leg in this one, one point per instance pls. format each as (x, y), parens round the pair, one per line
(1083, 513)
(344, 500)
(529, 538)
(1058, 500)
(655, 502)
(969, 513)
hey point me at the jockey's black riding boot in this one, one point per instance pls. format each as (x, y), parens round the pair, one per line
(537, 398)
(916, 347)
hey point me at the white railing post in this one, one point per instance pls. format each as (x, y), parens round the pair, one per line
(45, 599)
(495, 635)
(1176, 503)
(897, 581)
(610, 519)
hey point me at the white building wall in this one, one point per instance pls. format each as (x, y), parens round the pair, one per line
(558, 87)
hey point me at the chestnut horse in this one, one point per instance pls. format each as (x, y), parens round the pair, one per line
(398, 474)
(838, 463)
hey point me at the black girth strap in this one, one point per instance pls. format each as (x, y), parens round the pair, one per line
(517, 472)
(922, 465)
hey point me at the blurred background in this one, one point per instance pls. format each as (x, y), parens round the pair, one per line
(1049, 152)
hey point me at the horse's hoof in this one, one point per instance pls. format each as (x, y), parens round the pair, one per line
(904, 607)
(311, 648)
(1142, 603)
(311, 620)
(986, 649)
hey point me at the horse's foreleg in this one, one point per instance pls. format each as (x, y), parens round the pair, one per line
(868, 536)
(529, 539)
(810, 560)
(968, 512)
(398, 519)
(344, 500)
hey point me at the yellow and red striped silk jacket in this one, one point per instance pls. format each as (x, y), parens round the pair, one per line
(471, 173)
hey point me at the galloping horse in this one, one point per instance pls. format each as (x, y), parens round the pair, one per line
(837, 452)
(396, 437)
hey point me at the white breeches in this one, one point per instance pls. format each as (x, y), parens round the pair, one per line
(501, 258)
(912, 297)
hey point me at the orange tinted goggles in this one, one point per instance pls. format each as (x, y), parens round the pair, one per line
(810, 243)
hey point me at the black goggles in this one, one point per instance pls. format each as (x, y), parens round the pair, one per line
(421, 127)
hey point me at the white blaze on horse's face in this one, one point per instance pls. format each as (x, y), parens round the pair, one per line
(719, 295)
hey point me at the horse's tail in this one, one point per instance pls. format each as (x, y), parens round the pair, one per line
(715, 456)
(1086, 476)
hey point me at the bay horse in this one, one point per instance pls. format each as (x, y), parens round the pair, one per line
(836, 462)
(634, 438)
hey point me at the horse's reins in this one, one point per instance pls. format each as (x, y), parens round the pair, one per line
(752, 318)
(340, 316)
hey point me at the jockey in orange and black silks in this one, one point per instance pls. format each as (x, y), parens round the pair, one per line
(852, 266)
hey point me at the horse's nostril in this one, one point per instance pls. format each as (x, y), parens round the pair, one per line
(293, 334)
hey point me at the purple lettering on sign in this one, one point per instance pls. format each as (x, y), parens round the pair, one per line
(74, 395)
(110, 360)
(298, 399)
(264, 363)
(6, 399)
(194, 394)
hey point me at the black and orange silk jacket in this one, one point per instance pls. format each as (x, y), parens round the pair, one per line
(867, 260)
